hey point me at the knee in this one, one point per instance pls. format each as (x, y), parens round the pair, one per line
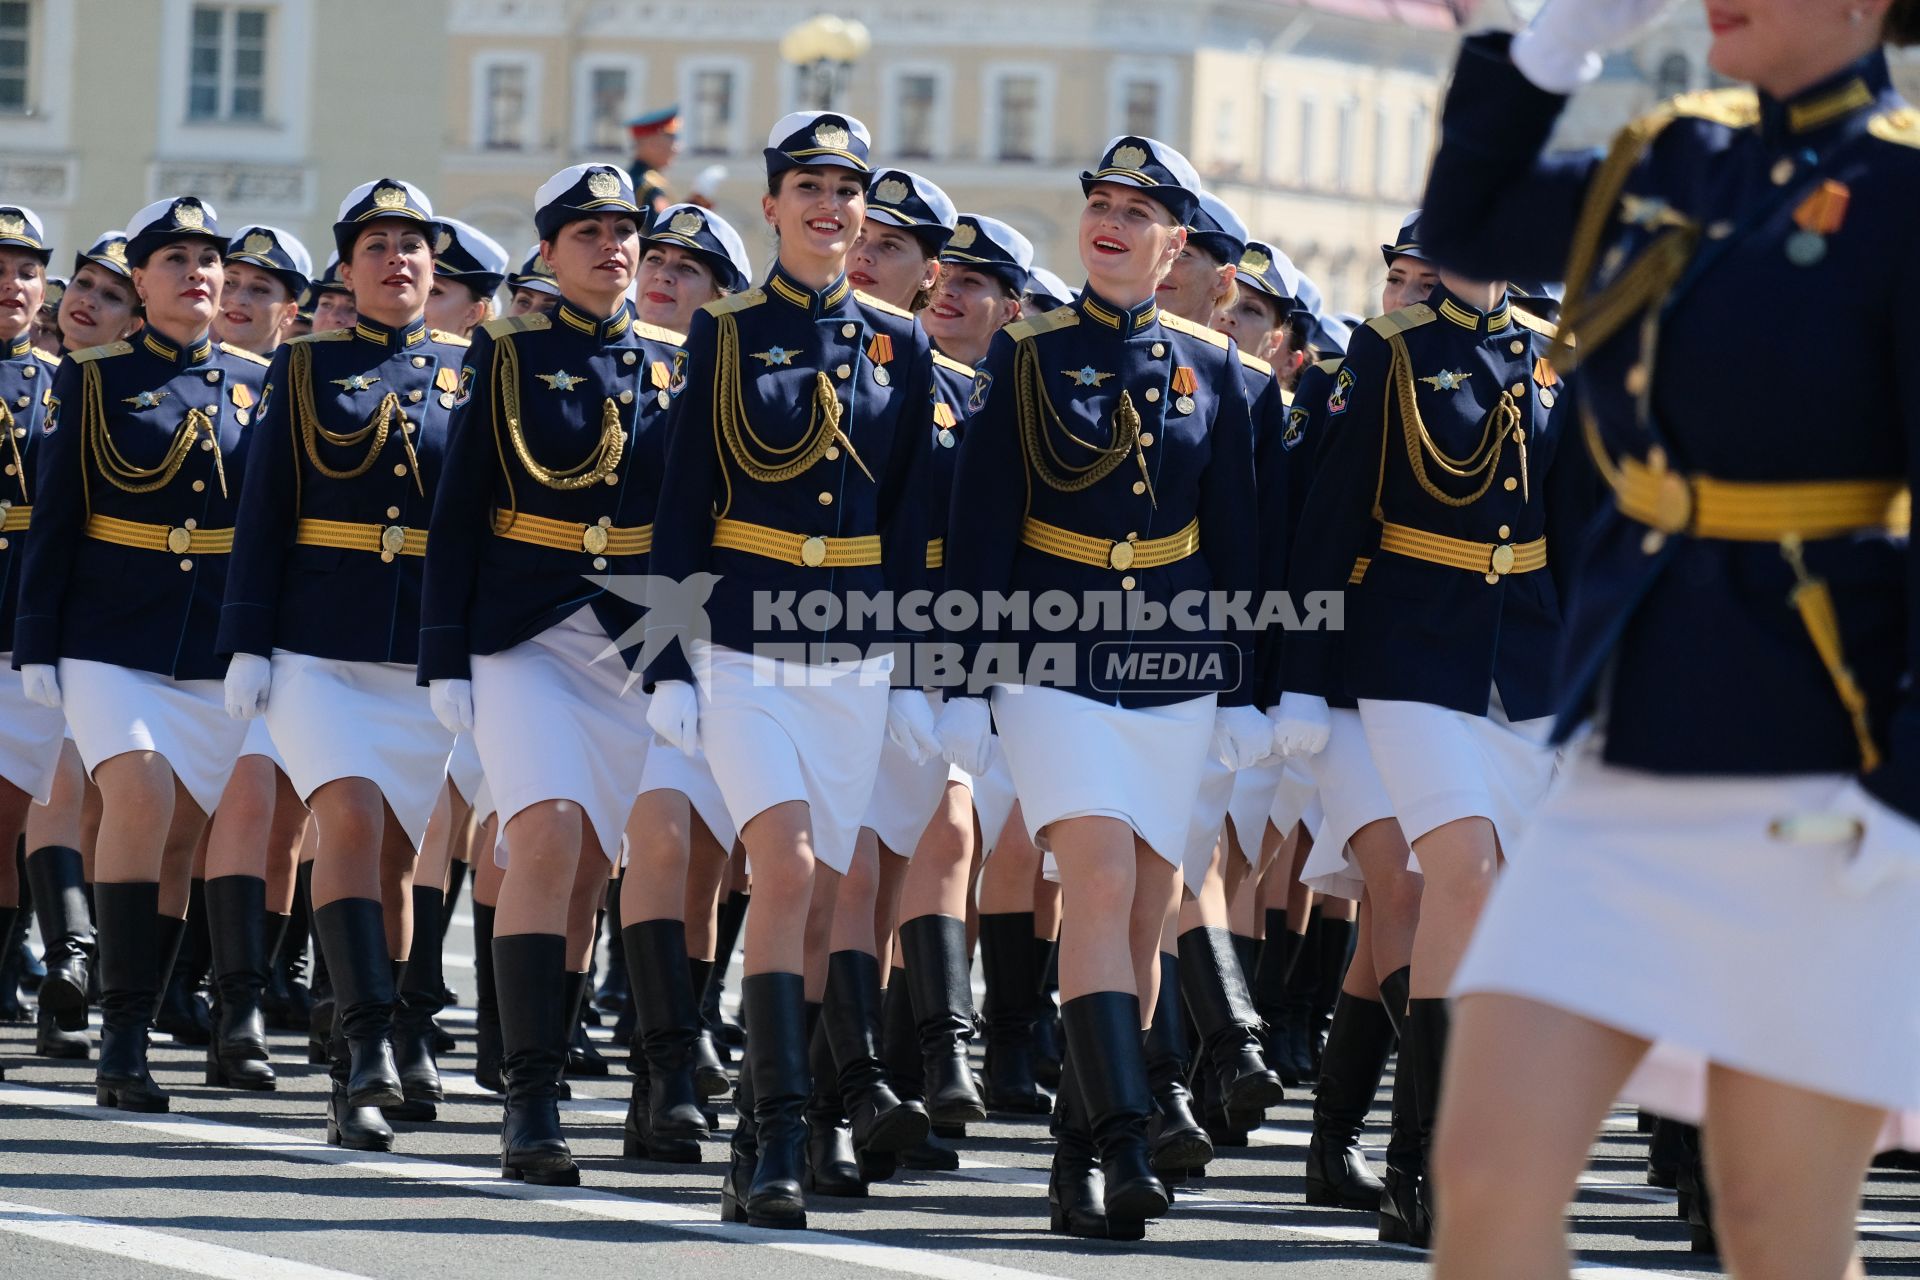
(1102, 893)
(347, 821)
(138, 782)
(785, 873)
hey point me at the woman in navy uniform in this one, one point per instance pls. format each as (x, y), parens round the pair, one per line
(99, 305)
(322, 615)
(469, 267)
(549, 492)
(532, 287)
(132, 529)
(805, 425)
(1741, 630)
(1131, 429)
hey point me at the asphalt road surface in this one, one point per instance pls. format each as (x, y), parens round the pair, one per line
(235, 1186)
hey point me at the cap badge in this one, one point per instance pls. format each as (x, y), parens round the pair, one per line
(601, 184)
(444, 241)
(963, 236)
(1254, 262)
(686, 223)
(892, 191)
(389, 198)
(12, 224)
(832, 137)
(259, 244)
(1129, 157)
(186, 214)
(115, 251)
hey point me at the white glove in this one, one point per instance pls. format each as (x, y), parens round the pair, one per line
(452, 704)
(1301, 725)
(1561, 49)
(1241, 737)
(674, 715)
(965, 734)
(41, 683)
(910, 725)
(1886, 842)
(249, 677)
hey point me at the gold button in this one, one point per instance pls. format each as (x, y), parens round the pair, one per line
(833, 452)
(848, 330)
(844, 371)
(9, 468)
(1153, 394)
(1493, 579)
(1719, 231)
(186, 565)
(393, 513)
(213, 375)
(599, 562)
(1126, 584)
(1517, 347)
(1637, 380)
(1146, 439)
(1519, 390)
(1782, 172)
(1652, 542)
(419, 362)
(1139, 486)
(1505, 532)
(190, 524)
(1510, 484)
(3, 544)
(410, 428)
(415, 396)
(1159, 348)
(626, 397)
(399, 468)
(826, 499)
(23, 402)
(628, 358)
(28, 372)
(606, 522)
(199, 486)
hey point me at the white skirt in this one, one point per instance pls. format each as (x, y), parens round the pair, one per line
(1072, 757)
(1663, 907)
(993, 796)
(463, 768)
(259, 742)
(1293, 799)
(1351, 796)
(1440, 766)
(1208, 820)
(113, 710)
(553, 722)
(1254, 791)
(905, 795)
(334, 719)
(670, 769)
(30, 737)
(776, 731)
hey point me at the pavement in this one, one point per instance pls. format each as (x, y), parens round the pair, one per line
(236, 1186)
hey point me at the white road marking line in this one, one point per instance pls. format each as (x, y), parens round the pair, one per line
(616, 1207)
(178, 1253)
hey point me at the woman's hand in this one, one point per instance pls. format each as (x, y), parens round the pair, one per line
(452, 704)
(249, 678)
(1301, 725)
(965, 732)
(1561, 49)
(41, 683)
(674, 715)
(910, 725)
(1241, 737)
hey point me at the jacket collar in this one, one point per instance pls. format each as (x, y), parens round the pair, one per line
(410, 334)
(582, 321)
(1126, 321)
(1477, 322)
(815, 302)
(163, 348)
(1832, 107)
(20, 346)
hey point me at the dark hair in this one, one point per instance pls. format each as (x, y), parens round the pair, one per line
(1902, 25)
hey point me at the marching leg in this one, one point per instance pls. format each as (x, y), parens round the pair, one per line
(528, 969)
(130, 956)
(237, 1050)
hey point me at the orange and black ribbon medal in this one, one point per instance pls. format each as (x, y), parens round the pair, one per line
(1819, 216)
(1183, 387)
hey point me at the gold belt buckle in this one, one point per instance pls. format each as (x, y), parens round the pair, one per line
(594, 539)
(179, 541)
(1120, 556)
(393, 539)
(813, 552)
(1503, 559)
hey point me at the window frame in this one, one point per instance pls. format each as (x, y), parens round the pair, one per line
(584, 68)
(226, 76)
(940, 131)
(690, 70)
(481, 70)
(1122, 73)
(992, 79)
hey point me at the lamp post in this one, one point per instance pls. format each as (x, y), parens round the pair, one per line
(822, 51)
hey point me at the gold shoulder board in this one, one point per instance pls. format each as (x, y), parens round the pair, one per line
(1901, 125)
(1045, 322)
(949, 362)
(46, 356)
(659, 333)
(1193, 330)
(253, 356)
(735, 302)
(325, 335)
(1397, 322)
(451, 339)
(533, 321)
(86, 355)
(868, 300)
(1528, 320)
(1330, 365)
(1735, 108)
(1255, 363)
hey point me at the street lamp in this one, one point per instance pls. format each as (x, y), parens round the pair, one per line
(822, 51)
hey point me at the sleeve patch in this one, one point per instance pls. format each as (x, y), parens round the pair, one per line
(1342, 388)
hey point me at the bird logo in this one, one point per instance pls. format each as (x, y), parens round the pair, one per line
(672, 609)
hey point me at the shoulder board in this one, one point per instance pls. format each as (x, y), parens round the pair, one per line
(1193, 330)
(868, 300)
(86, 355)
(735, 302)
(1528, 320)
(1398, 322)
(325, 335)
(1901, 125)
(1255, 363)
(660, 333)
(654, 178)
(533, 321)
(252, 357)
(46, 356)
(1045, 322)
(948, 362)
(1330, 365)
(1734, 108)
(451, 339)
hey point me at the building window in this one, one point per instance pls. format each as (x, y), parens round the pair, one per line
(505, 121)
(1269, 133)
(227, 70)
(1018, 134)
(1307, 126)
(1343, 146)
(607, 96)
(1140, 108)
(711, 131)
(1674, 77)
(1417, 146)
(14, 31)
(916, 114)
(1380, 151)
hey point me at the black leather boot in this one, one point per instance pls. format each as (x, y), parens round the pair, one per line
(419, 1001)
(236, 915)
(1013, 987)
(1046, 1020)
(528, 969)
(1295, 1051)
(777, 1056)
(614, 996)
(184, 1013)
(709, 1069)
(743, 1153)
(354, 936)
(1269, 980)
(287, 1002)
(1174, 1137)
(1427, 1026)
(130, 970)
(56, 875)
(1695, 1196)
(882, 1123)
(320, 1015)
(486, 1005)
(1076, 1189)
(1336, 953)
(732, 914)
(906, 1068)
(667, 1026)
(941, 989)
(1666, 1152)
(583, 1057)
(1103, 1050)
(1403, 1215)
(1223, 1013)
(50, 1041)
(1350, 1069)
(832, 1167)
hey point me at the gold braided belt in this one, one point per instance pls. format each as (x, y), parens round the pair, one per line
(389, 540)
(601, 539)
(1153, 553)
(1495, 559)
(794, 548)
(14, 519)
(159, 537)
